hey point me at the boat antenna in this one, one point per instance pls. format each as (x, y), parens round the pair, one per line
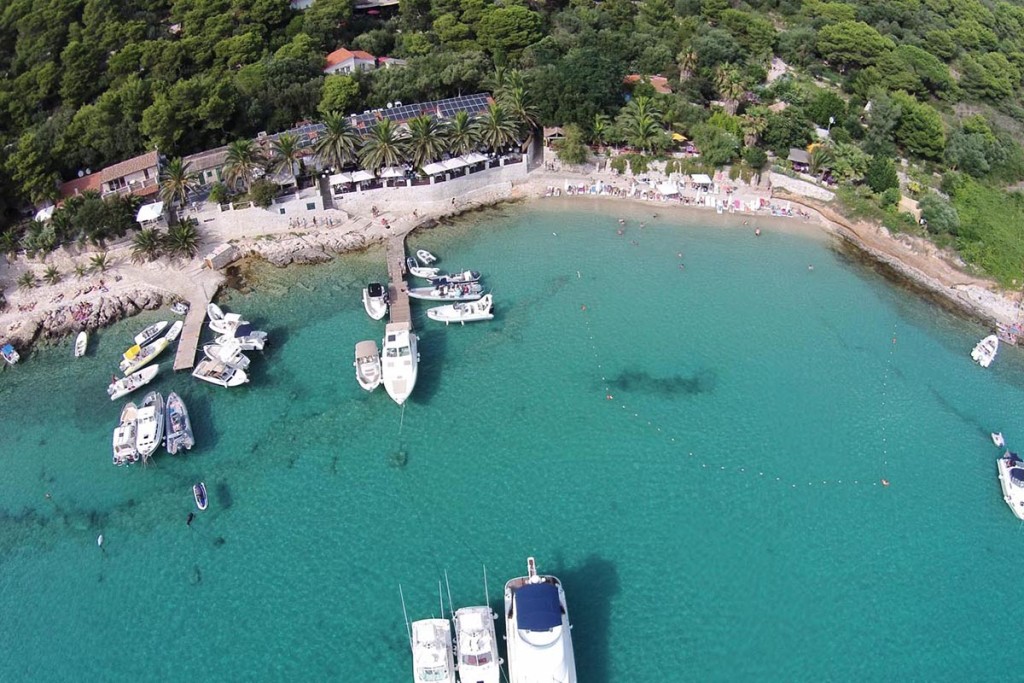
(487, 595)
(440, 597)
(405, 614)
(451, 605)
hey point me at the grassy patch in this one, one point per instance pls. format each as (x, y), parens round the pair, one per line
(992, 230)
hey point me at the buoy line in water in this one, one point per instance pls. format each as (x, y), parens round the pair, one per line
(704, 464)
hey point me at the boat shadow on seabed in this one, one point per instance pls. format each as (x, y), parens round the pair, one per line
(590, 588)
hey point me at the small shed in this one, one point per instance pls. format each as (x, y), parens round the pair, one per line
(222, 256)
(553, 133)
(800, 159)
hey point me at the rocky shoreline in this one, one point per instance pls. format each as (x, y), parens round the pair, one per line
(72, 318)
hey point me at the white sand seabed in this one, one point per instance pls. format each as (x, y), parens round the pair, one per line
(400, 210)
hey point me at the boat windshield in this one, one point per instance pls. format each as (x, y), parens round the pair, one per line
(391, 353)
(404, 351)
(436, 673)
(477, 660)
(1017, 476)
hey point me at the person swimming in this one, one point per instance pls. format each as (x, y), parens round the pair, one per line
(191, 516)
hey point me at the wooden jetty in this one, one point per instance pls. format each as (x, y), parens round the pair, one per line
(188, 342)
(398, 289)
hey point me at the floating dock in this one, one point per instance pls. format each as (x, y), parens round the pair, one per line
(188, 343)
(398, 289)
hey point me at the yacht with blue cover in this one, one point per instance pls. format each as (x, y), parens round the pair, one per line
(538, 630)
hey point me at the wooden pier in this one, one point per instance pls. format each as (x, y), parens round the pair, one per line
(398, 290)
(188, 342)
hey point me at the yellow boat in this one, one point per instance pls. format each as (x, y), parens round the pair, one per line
(131, 352)
(143, 356)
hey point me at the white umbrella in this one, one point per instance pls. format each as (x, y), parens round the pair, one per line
(361, 176)
(392, 172)
(434, 169)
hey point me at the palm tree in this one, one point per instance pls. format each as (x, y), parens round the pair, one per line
(287, 152)
(463, 134)
(81, 270)
(639, 123)
(753, 123)
(601, 130)
(730, 86)
(384, 145)
(51, 275)
(516, 99)
(821, 160)
(183, 239)
(496, 81)
(27, 280)
(497, 128)
(426, 141)
(9, 243)
(176, 182)
(146, 245)
(687, 64)
(339, 143)
(241, 162)
(100, 262)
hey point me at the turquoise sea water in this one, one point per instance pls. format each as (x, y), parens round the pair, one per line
(720, 517)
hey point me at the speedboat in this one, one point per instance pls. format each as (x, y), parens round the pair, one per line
(199, 493)
(401, 358)
(125, 450)
(416, 270)
(998, 440)
(216, 372)
(150, 333)
(179, 307)
(432, 660)
(476, 645)
(985, 351)
(174, 332)
(537, 629)
(456, 278)
(9, 354)
(468, 292)
(81, 343)
(466, 312)
(221, 322)
(126, 385)
(375, 300)
(425, 257)
(1011, 480)
(247, 338)
(136, 357)
(230, 354)
(179, 428)
(367, 365)
(150, 430)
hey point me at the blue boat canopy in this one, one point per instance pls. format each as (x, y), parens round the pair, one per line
(1017, 476)
(539, 608)
(243, 331)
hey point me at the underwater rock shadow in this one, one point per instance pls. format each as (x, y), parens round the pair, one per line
(433, 347)
(701, 382)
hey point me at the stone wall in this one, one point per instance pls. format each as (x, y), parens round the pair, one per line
(800, 187)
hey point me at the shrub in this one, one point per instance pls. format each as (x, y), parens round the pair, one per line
(889, 198)
(942, 217)
(262, 193)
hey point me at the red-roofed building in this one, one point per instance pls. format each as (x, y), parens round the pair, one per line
(659, 83)
(139, 176)
(343, 61)
(80, 185)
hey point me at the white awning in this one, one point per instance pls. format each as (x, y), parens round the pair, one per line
(668, 188)
(701, 179)
(361, 176)
(453, 164)
(392, 172)
(434, 169)
(473, 158)
(149, 212)
(339, 178)
(44, 214)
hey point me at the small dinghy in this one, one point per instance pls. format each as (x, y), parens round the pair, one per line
(416, 270)
(456, 278)
(425, 257)
(126, 385)
(179, 307)
(150, 430)
(150, 333)
(985, 352)
(467, 292)
(179, 428)
(375, 300)
(125, 450)
(998, 440)
(172, 334)
(81, 342)
(470, 311)
(367, 365)
(199, 493)
(216, 372)
(9, 354)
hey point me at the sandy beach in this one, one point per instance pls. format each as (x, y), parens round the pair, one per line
(50, 311)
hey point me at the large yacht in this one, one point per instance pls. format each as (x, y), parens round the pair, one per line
(537, 629)
(400, 358)
(476, 645)
(1011, 480)
(432, 651)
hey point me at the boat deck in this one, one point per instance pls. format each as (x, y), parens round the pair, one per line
(188, 342)
(398, 289)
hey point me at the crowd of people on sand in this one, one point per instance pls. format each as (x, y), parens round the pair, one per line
(296, 223)
(81, 311)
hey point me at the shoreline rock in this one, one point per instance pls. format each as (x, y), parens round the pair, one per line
(72, 318)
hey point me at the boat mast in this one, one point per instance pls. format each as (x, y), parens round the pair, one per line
(440, 597)
(405, 614)
(487, 595)
(451, 605)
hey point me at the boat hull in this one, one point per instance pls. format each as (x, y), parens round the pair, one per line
(145, 356)
(220, 374)
(150, 430)
(136, 380)
(81, 343)
(399, 362)
(1013, 495)
(539, 642)
(178, 425)
(367, 364)
(150, 333)
(199, 494)
(455, 294)
(375, 306)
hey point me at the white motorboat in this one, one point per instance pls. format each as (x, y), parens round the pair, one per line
(375, 300)
(476, 645)
(175, 331)
(179, 308)
(136, 357)
(230, 354)
(465, 312)
(81, 343)
(400, 361)
(367, 365)
(126, 385)
(247, 338)
(456, 278)
(9, 354)
(1011, 480)
(424, 273)
(221, 322)
(150, 333)
(432, 660)
(125, 450)
(467, 292)
(178, 426)
(537, 629)
(218, 373)
(199, 493)
(985, 351)
(425, 257)
(150, 431)
(998, 440)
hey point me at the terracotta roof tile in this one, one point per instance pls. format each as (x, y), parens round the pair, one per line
(129, 166)
(81, 185)
(342, 55)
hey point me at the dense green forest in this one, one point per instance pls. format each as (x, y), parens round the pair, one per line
(89, 82)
